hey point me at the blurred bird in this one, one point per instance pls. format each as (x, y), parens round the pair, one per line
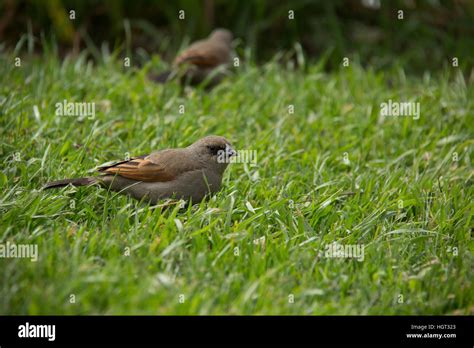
(185, 173)
(203, 60)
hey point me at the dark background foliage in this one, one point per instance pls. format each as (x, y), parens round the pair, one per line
(431, 33)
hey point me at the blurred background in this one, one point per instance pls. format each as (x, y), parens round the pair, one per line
(430, 34)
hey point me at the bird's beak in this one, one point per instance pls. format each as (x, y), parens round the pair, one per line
(229, 151)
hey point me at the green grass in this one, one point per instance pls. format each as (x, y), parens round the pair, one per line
(301, 195)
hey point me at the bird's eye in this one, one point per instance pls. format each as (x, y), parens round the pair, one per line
(214, 149)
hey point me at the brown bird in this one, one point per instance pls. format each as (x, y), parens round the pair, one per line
(203, 60)
(186, 173)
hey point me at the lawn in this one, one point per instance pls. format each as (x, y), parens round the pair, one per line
(329, 169)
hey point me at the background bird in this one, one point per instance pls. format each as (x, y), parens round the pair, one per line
(203, 60)
(185, 173)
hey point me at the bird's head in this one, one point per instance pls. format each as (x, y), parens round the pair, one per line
(215, 151)
(222, 35)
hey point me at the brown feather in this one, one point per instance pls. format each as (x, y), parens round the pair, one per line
(160, 166)
(195, 58)
(204, 53)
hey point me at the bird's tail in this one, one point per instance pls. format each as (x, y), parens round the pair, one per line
(73, 182)
(162, 78)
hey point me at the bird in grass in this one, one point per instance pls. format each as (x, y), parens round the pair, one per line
(203, 61)
(188, 173)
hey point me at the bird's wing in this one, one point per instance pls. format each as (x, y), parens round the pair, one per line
(159, 166)
(204, 53)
